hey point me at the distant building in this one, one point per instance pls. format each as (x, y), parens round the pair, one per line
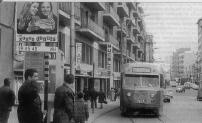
(177, 63)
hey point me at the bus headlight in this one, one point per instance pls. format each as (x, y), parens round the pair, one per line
(128, 94)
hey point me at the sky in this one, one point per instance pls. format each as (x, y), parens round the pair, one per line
(173, 25)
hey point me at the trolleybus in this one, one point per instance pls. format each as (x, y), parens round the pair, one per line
(141, 88)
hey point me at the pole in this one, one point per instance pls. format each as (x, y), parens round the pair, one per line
(72, 41)
(46, 77)
(121, 48)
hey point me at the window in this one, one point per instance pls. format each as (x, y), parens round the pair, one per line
(87, 54)
(116, 65)
(102, 60)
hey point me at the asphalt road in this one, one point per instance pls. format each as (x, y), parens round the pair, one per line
(184, 108)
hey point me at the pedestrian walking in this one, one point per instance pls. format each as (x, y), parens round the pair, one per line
(81, 113)
(64, 102)
(29, 108)
(7, 100)
(93, 99)
(116, 93)
(101, 98)
(86, 94)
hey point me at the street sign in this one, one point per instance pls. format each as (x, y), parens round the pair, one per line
(36, 49)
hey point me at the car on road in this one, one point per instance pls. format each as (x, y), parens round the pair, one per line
(168, 95)
(180, 89)
(173, 83)
(194, 86)
(187, 85)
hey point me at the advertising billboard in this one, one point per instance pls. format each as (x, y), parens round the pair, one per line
(37, 23)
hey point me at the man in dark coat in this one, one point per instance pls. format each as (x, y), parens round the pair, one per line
(93, 98)
(7, 100)
(29, 109)
(101, 98)
(64, 102)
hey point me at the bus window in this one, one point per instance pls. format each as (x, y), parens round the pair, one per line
(150, 81)
(132, 82)
(135, 81)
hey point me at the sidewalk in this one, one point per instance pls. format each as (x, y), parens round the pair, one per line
(111, 105)
(92, 116)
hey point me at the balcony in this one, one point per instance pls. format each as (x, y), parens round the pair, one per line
(110, 17)
(123, 30)
(65, 11)
(91, 30)
(95, 6)
(136, 13)
(132, 5)
(130, 37)
(140, 36)
(136, 45)
(136, 29)
(122, 9)
(113, 40)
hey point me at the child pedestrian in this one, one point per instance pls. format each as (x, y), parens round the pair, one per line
(81, 113)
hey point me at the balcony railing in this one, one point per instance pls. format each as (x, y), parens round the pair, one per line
(112, 39)
(130, 36)
(112, 12)
(136, 29)
(95, 6)
(91, 25)
(66, 7)
(124, 29)
(122, 9)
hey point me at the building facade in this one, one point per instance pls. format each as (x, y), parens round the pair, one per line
(104, 34)
(7, 21)
(182, 64)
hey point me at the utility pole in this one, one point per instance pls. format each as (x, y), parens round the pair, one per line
(72, 41)
(121, 48)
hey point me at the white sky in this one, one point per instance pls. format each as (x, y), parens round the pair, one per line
(173, 25)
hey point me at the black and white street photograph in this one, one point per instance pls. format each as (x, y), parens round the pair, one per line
(129, 61)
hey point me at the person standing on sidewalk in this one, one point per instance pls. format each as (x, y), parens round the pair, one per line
(29, 108)
(101, 98)
(7, 100)
(64, 101)
(81, 113)
(93, 99)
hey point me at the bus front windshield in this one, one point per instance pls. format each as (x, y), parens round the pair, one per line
(138, 81)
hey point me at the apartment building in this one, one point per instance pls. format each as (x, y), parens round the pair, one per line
(7, 20)
(200, 49)
(149, 49)
(103, 31)
(177, 65)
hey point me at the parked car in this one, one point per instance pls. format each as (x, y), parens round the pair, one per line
(168, 95)
(180, 89)
(194, 86)
(187, 85)
(173, 83)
